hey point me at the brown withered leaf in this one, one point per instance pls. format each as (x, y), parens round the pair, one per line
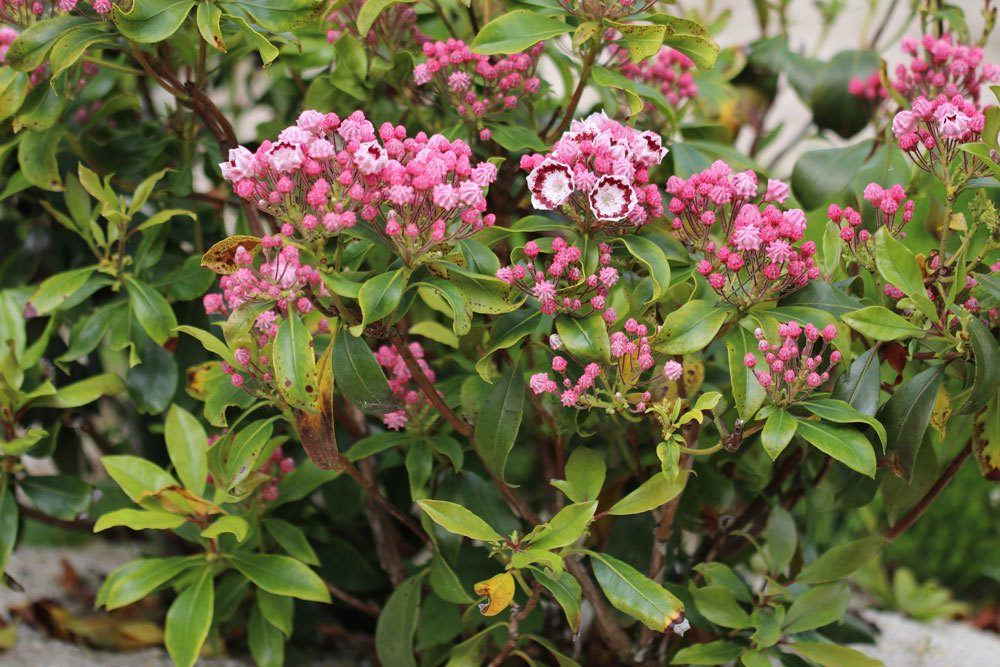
(221, 257)
(316, 429)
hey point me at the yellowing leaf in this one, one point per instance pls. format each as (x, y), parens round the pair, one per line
(221, 257)
(498, 591)
(942, 412)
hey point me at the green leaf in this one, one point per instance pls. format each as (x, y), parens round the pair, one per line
(586, 338)
(456, 519)
(267, 644)
(457, 305)
(565, 528)
(446, 584)
(632, 593)
(833, 106)
(531, 556)
(821, 295)
(209, 342)
(690, 38)
(139, 520)
(585, 473)
(654, 492)
(719, 652)
(719, 606)
(507, 331)
(359, 376)
(567, 593)
(860, 385)
(878, 323)
(516, 31)
(500, 419)
(834, 410)
(294, 364)
(375, 443)
(780, 536)
(208, 17)
(60, 496)
(823, 175)
(986, 375)
(379, 297)
(832, 655)
(82, 392)
(137, 579)
(149, 21)
(517, 138)
(284, 15)
(32, 46)
(13, 91)
(842, 560)
(244, 452)
(278, 610)
(819, 606)
(8, 522)
(370, 11)
(898, 265)
(24, 443)
(187, 446)
(151, 309)
(397, 625)
(842, 443)
(136, 476)
(54, 290)
(650, 254)
(907, 414)
(40, 113)
(281, 575)
(232, 524)
(267, 50)
(690, 328)
(189, 620)
(291, 538)
(641, 40)
(779, 429)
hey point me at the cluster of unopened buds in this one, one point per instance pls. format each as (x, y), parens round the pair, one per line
(597, 10)
(598, 176)
(281, 279)
(563, 286)
(892, 212)
(670, 72)
(793, 367)
(869, 90)
(478, 86)
(631, 356)
(325, 172)
(941, 65)
(939, 286)
(931, 131)
(415, 405)
(759, 255)
(395, 24)
(25, 12)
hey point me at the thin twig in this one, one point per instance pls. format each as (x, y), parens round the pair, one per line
(946, 476)
(366, 608)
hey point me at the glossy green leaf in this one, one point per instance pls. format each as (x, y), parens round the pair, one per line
(267, 644)
(234, 525)
(907, 414)
(208, 17)
(898, 265)
(82, 392)
(54, 290)
(586, 338)
(860, 385)
(291, 538)
(833, 655)
(281, 575)
(654, 492)
(832, 104)
(747, 392)
(881, 324)
(719, 606)
(834, 410)
(278, 610)
(151, 310)
(841, 560)
(780, 537)
(397, 625)
(295, 364)
(284, 15)
(360, 378)
(500, 418)
(585, 473)
(517, 31)
(457, 305)
(567, 593)
(690, 328)
(820, 176)
(779, 429)
(986, 373)
(379, 297)
(187, 445)
(842, 443)
(817, 607)
(59, 496)
(139, 520)
(31, 48)
(565, 528)
(136, 476)
(151, 21)
(458, 520)
(655, 260)
(189, 619)
(635, 594)
(719, 652)
(137, 579)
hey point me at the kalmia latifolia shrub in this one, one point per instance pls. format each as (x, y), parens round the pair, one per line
(469, 334)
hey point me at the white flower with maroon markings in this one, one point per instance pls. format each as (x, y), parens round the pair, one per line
(551, 184)
(648, 148)
(612, 198)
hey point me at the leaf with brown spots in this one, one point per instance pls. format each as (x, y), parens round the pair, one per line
(221, 257)
(316, 429)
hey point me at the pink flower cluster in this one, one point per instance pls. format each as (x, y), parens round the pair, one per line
(7, 37)
(669, 72)
(25, 12)
(869, 90)
(631, 356)
(941, 65)
(397, 23)
(760, 256)
(276, 467)
(598, 175)
(281, 280)
(415, 403)
(478, 86)
(887, 204)
(324, 172)
(938, 127)
(794, 366)
(562, 286)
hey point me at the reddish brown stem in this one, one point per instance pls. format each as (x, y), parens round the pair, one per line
(946, 476)
(366, 608)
